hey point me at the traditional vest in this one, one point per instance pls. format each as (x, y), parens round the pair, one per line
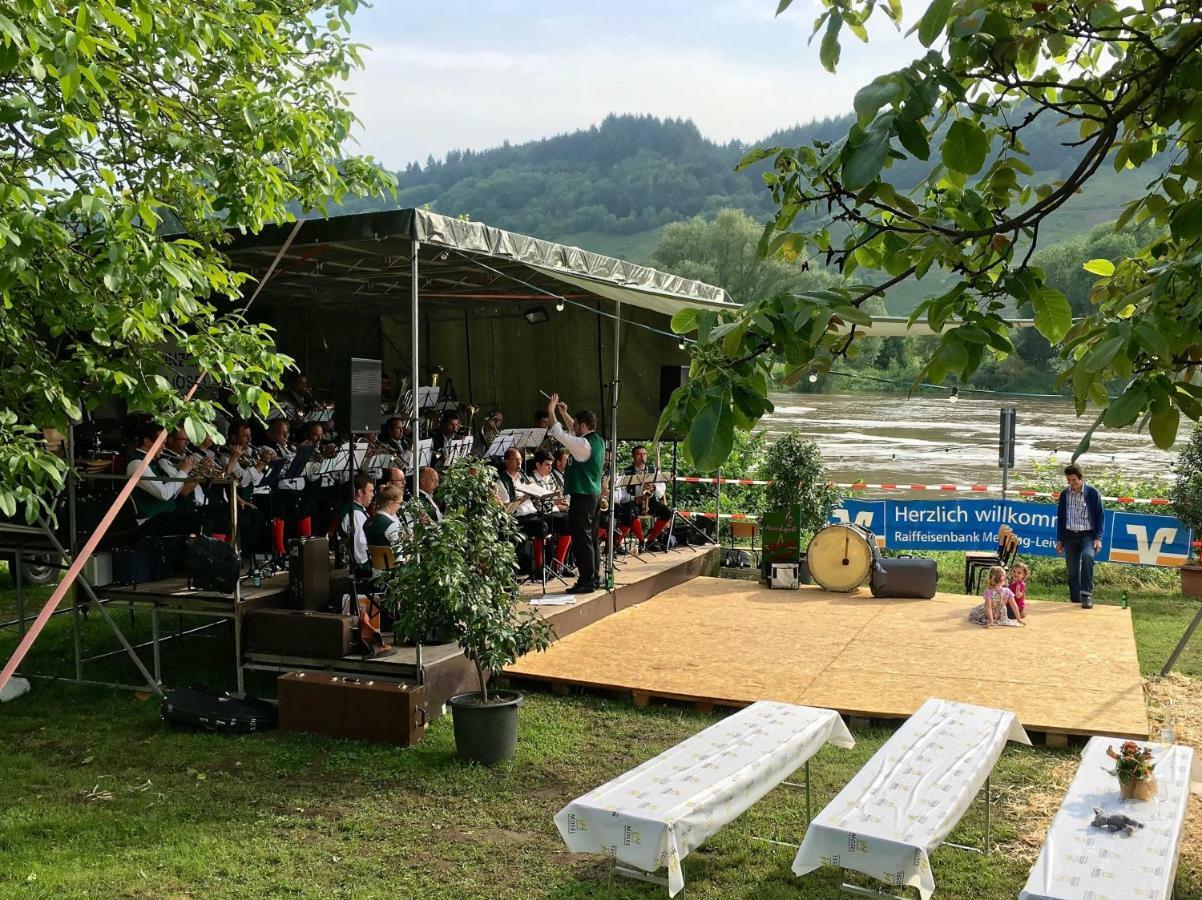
(377, 529)
(146, 505)
(585, 477)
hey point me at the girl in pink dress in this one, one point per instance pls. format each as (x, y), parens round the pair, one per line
(1018, 587)
(996, 600)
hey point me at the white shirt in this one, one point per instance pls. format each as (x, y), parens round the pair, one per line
(161, 490)
(170, 470)
(579, 447)
(354, 524)
(636, 491)
(247, 476)
(526, 508)
(437, 513)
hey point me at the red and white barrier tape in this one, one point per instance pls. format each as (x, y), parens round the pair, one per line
(947, 488)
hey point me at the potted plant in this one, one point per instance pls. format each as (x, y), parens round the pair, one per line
(1133, 766)
(799, 480)
(1186, 495)
(458, 578)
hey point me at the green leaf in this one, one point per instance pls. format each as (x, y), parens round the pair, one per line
(194, 429)
(1127, 407)
(828, 52)
(913, 136)
(1100, 356)
(1103, 267)
(711, 435)
(684, 321)
(1053, 314)
(965, 147)
(1187, 221)
(1087, 438)
(863, 163)
(933, 21)
(870, 98)
(1163, 427)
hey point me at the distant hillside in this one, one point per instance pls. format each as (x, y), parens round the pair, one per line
(613, 187)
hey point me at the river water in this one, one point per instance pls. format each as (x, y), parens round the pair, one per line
(894, 439)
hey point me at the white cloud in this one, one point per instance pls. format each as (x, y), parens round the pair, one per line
(416, 99)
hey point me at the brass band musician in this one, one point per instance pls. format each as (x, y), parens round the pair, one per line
(641, 499)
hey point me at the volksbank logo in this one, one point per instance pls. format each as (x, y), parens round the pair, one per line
(1148, 544)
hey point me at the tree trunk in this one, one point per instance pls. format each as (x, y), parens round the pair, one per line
(483, 682)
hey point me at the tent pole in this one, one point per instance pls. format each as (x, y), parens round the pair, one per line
(613, 443)
(415, 412)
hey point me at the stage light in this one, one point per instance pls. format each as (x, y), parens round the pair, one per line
(813, 377)
(444, 255)
(954, 395)
(682, 344)
(559, 305)
(536, 314)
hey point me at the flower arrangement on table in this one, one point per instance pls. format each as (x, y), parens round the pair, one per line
(1134, 767)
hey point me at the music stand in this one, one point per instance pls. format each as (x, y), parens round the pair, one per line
(519, 438)
(272, 476)
(296, 468)
(319, 414)
(457, 449)
(537, 493)
(425, 455)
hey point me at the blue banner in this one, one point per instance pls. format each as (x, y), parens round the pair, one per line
(960, 525)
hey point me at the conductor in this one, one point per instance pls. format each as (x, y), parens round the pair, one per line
(582, 484)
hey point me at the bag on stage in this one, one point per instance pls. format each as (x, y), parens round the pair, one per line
(212, 565)
(199, 707)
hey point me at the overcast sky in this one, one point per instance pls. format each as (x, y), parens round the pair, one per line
(460, 74)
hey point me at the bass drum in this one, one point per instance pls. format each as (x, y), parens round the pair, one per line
(840, 557)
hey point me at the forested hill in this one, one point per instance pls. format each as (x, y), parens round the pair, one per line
(613, 186)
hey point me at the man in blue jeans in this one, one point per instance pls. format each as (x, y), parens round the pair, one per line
(1079, 523)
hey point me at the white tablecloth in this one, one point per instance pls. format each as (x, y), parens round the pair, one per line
(910, 795)
(1080, 861)
(652, 816)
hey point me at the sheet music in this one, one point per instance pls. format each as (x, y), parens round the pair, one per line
(427, 397)
(320, 414)
(530, 489)
(425, 454)
(521, 438)
(457, 449)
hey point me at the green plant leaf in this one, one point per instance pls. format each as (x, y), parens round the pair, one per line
(913, 136)
(1163, 427)
(1124, 410)
(828, 52)
(965, 147)
(1186, 222)
(863, 163)
(870, 98)
(684, 321)
(1103, 267)
(711, 435)
(1053, 314)
(933, 21)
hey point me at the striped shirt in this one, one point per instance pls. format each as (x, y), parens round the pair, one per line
(1076, 512)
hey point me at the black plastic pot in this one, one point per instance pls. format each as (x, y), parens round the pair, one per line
(486, 733)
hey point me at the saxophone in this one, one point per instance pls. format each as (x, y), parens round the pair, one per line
(605, 492)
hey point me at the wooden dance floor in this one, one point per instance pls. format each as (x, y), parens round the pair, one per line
(715, 640)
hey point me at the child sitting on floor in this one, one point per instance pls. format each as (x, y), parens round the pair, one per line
(1018, 587)
(996, 600)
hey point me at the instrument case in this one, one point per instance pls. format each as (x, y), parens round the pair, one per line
(309, 573)
(904, 578)
(199, 707)
(358, 708)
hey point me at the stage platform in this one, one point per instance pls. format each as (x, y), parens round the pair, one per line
(727, 642)
(448, 672)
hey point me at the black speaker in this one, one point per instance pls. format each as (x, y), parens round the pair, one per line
(670, 378)
(357, 404)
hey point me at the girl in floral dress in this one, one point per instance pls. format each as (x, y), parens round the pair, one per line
(994, 602)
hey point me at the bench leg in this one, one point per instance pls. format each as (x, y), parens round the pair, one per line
(628, 871)
(856, 891)
(984, 851)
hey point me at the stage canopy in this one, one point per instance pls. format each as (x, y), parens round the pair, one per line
(489, 313)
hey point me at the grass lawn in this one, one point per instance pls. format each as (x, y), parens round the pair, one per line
(99, 799)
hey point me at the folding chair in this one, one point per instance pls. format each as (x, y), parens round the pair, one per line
(975, 559)
(1005, 554)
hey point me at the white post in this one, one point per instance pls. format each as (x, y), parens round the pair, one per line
(613, 440)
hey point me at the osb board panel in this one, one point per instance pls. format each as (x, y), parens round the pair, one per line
(712, 639)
